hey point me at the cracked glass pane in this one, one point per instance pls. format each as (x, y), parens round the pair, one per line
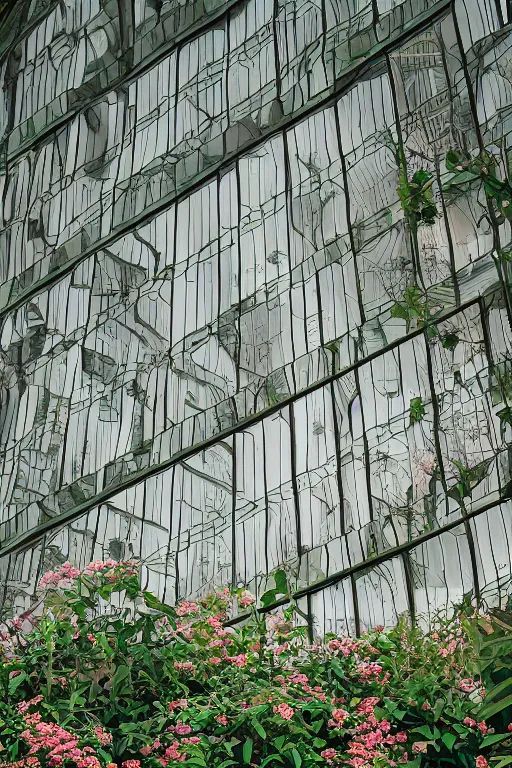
(255, 269)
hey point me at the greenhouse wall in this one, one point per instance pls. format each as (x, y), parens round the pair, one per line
(255, 259)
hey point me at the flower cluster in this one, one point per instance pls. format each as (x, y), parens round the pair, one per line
(154, 686)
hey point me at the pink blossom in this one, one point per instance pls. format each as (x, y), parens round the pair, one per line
(284, 710)
(131, 764)
(191, 740)
(179, 704)
(368, 705)
(184, 666)
(246, 598)
(145, 751)
(25, 705)
(467, 685)
(281, 649)
(214, 660)
(482, 728)
(222, 719)
(469, 722)
(338, 718)
(299, 679)
(419, 747)
(182, 729)
(186, 608)
(239, 661)
(171, 753)
(329, 754)
(481, 762)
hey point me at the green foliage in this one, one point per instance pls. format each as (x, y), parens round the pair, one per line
(416, 410)
(467, 169)
(414, 307)
(469, 478)
(416, 197)
(111, 674)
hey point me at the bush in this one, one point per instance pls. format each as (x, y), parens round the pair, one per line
(106, 675)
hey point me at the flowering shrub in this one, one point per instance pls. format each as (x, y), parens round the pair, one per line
(108, 676)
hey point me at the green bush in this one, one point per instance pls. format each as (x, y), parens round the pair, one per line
(106, 675)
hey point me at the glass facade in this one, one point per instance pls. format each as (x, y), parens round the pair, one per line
(255, 264)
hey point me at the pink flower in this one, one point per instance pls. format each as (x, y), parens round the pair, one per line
(62, 577)
(368, 705)
(184, 666)
(191, 740)
(467, 685)
(179, 704)
(214, 660)
(329, 754)
(222, 719)
(187, 608)
(482, 728)
(284, 710)
(338, 718)
(469, 722)
(401, 737)
(171, 753)
(246, 599)
(299, 679)
(182, 729)
(111, 765)
(509, 728)
(91, 638)
(131, 764)
(481, 762)
(239, 661)
(419, 747)
(25, 705)
(145, 751)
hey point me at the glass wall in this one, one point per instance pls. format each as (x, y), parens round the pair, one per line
(255, 261)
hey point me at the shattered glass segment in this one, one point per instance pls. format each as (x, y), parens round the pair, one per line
(255, 293)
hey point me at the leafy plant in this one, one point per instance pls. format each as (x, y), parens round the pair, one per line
(417, 198)
(416, 410)
(108, 675)
(467, 170)
(414, 307)
(469, 478)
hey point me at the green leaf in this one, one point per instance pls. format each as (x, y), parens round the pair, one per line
(259, 729)
(448, 740)
(398, 310)
(337, 669)
(267, 760)
(319, 743)
(489, 711)
(297, 759)
(431, 735)
(278, 743)
(247, 750)
(502, 763)
(494, 738)
(120, 674)
(498, 689)
(449, 340)
(15, 682)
